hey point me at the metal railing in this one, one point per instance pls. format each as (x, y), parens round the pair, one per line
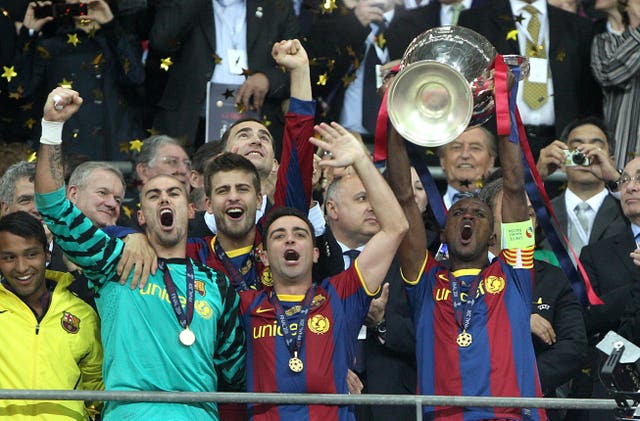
(307, 398)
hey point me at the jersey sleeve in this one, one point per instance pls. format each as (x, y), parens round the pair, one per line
(353, 293)
(230, 355)
(293, 186)
(85, 245)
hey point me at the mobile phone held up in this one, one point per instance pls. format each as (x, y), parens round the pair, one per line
(61, 9)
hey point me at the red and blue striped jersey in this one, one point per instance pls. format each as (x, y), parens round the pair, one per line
(337, 311)
(500, 360)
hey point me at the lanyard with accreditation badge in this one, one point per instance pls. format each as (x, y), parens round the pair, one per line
(294, 345)
(462, 311)
(239, 280)
(186, 336)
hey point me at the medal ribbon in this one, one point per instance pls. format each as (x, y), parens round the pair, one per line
(462, 311)
(183, 319)
(293, 345)
(239, 281)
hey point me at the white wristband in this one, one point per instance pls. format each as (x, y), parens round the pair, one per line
(51, 132)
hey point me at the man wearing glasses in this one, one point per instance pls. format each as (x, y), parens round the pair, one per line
(163, 154)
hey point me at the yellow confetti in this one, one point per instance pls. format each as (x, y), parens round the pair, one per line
(322, 80)
(29, 123)
(73, 39)
(328, 6)
(32, 157)
(512, 34)
(9, 73)
(165, 63)
(67, 84)
(135, 145)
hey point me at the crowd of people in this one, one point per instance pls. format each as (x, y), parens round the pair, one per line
(306, 269)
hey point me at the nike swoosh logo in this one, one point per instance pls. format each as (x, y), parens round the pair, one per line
(261, 310)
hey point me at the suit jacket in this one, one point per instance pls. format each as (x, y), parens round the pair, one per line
(337, 43)
(554, 300)
(612, 274)
(609, 220)
(433, 9)
(575, 92)
(185, 31)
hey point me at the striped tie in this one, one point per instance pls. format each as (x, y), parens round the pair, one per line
(535, 94)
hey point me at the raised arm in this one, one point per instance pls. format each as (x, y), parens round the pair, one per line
(49, 170)
(374, 261)
(411, 253)
(514, 201)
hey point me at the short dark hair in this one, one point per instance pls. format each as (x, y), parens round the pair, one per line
(24, 225)
(593, 120)
(204, 154)
(225, 136)
(279, 212)
(226, 162)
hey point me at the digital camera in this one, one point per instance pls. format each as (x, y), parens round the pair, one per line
(575, 158)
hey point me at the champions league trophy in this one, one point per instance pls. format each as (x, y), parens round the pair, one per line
(445, 84)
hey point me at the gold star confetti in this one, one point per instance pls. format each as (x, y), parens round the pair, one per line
(85, 22)
(246, 72)
(29, 123)
(26, 107)
(9, 73)
(266, 121)
(97, 59)
(5, 13)
(350, 51)
(217, 59)
(135, 145)
(227, 94)
(240, 107)
(127, 211)
(165, 63)
(43, 52)
(32, 157)
(561, 55)
(518, 18)
(328, 6)
(152, 131)
(17, 94)
(67, 84)
(124, 147)
(380, 41)
(512, 34)
(322, 79)
(73, 39)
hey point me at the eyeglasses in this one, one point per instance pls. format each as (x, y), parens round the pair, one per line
(174, 161)
(625, 180)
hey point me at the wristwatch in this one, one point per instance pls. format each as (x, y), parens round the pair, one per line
(612, 186)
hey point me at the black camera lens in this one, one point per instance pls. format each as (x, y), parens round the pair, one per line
(578, 158)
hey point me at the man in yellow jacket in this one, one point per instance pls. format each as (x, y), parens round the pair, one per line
(50, 338)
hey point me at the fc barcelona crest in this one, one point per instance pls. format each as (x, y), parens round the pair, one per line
(69, 322)
(200, 289)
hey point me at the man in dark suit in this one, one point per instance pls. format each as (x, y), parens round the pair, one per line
(586, 203)
(561, 64)
(189, 34)
(447, 12)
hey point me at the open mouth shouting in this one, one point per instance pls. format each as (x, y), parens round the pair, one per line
(291, 256)
(166, 219)
(466, 232)
(235, 213)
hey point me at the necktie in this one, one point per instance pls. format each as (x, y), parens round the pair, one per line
(574, 236)
(455, 12)
(370, 98)
(351, 254)
(535, 94)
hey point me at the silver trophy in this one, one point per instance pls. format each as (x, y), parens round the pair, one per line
(445, 84)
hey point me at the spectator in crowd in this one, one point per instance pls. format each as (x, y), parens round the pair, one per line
(459, 340)
(92, 55)
(560, 87)
(12, 153)
(161, 154)
(466, 162)
(615, 61)
(17, 194)
(586, 210)
(225, 42)
(206, 336)
(325, 316)
(348, 44)
(557, 320)
(50, 338)
(447, 12)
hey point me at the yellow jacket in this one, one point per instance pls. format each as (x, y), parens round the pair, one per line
(63, 351)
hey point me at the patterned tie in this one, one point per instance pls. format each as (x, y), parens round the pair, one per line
(455, 12)
(535, 94)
